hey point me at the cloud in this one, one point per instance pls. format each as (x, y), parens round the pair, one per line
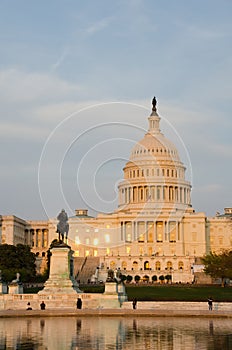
(60, 60)
(99, 25)
(23, 87)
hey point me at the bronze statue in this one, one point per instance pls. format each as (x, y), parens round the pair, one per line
(154, 102)
(62, 226)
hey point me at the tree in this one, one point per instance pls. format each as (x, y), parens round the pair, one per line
(129, 278)
(218, 265)
(137, 278)
(15, 259)
(123, 277)
(168, 278)
(154, 278)
(161, 278)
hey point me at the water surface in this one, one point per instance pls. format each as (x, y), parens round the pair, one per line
(139, 333)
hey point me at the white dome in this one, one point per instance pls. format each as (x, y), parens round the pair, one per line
(154, 174)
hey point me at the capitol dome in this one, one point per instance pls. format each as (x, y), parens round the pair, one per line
(154, 143)
(154, 176)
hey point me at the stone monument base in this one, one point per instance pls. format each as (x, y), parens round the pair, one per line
(15, 288)
(60, 280)
(111, 288)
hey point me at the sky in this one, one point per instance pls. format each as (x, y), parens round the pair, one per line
(76, 83)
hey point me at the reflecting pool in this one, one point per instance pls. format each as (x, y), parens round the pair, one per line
(115, 333)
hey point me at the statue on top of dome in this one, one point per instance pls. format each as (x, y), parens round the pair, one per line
(154, 102)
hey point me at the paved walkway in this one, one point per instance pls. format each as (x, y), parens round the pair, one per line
(114, 313)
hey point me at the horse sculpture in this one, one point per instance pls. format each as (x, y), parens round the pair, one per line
(62, 226)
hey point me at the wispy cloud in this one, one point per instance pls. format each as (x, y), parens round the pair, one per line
(99, 25)
(60, 60)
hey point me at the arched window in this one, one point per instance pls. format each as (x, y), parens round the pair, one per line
(169, 265)
(135, 265)
(124, 265)
(146, 265)
(112, 265)
(180, 265)
(157, 265)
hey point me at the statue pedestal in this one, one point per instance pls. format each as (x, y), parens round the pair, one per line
(110, 296)
(60, 280)
(15, 288)
(111, 288)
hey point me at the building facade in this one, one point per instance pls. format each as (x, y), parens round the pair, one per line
(154, 231)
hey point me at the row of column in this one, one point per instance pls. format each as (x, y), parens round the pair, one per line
(151, 231)
(136, 194)
(37, 237)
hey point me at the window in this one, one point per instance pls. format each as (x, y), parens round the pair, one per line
(194, 236)
(135, 265)
(146, 265)
(157, 265)
(220, 240)
(95, 241)
(77, 240)
(124, 265)
(112, 265)
(107, 238)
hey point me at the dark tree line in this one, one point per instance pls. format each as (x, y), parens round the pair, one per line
(15, 259)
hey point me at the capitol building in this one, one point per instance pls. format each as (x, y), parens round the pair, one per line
(155, 231)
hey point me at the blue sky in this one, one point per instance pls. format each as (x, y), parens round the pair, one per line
(58, 57)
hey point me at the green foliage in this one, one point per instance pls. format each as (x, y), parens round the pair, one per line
(129, 278)
(15, 259)
(168, 292)
(168, 278)
(218, 265)
(154, 278)
(122, 278)
(93, 288)
(137, 278)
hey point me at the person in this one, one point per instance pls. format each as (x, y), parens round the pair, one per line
(134, 303)
(29, 306)
(42, 305)
(79, 303)
(210, 303)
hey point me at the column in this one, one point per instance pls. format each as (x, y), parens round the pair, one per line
(166, 230)
(155, 231)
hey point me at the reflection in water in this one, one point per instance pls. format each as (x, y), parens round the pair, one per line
(107, 333)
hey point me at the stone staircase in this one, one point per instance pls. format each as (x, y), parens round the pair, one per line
(85, 268)
(78, 262)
